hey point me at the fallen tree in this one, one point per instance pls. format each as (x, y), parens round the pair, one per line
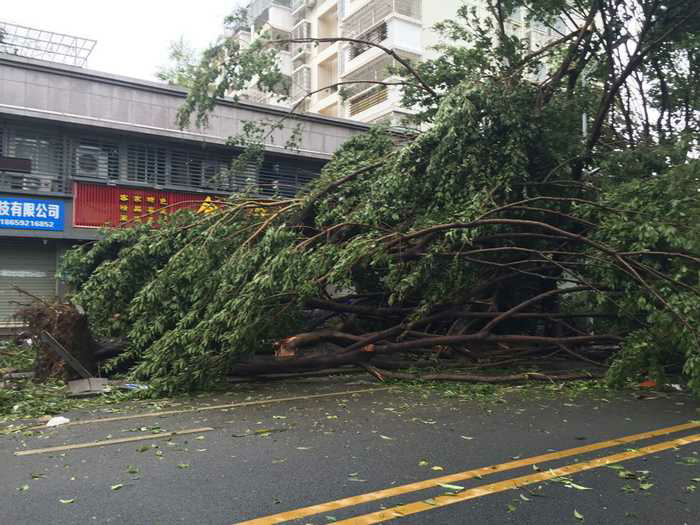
(498, 236)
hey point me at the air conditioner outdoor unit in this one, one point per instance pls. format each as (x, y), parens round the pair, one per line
(91, 161)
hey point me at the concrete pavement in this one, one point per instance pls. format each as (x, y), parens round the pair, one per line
(279, 450)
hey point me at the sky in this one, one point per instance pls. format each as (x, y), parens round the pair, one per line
(133, 36)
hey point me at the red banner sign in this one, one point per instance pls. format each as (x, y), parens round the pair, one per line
(98, 205)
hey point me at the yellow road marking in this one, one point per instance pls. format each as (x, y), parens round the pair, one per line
(163, 413)
(513, 484)
(461, 476)
(112, 441)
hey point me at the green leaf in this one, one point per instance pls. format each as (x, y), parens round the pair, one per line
(116, 487)
(577, 487)
(183, 465)
(23, 488)
(645, 486)
(451, 487)
(67, 501)
(578, 515)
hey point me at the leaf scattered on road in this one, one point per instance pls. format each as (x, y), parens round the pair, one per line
(67, 501)
(577, 487)
(578, 515)
(451, 487)
(183, 465)
(436, 467)
(116, 487)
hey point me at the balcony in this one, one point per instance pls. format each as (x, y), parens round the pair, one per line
(275, 13)
(301, 83)
(395, 34)
(386, 23)
(375, 103)
(369, 99)
(377, 11)
(300, 31)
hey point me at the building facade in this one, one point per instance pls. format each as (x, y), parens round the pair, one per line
(400, 25)
(404, 26)
(80, 150)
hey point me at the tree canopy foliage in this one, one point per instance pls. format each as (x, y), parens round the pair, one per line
(183, 61)
(502, 231)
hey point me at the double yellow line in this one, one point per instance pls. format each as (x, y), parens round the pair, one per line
(514, 483)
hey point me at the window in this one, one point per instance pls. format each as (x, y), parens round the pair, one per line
(119, 160)
(46, 154)
(376, 35)
(146, 163)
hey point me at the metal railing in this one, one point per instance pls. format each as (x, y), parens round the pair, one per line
(301, 83)
(369, 99)
(47, 154)
(374, 12)
(300, 30)
(58, 159)
(377, 70)
(44, 45)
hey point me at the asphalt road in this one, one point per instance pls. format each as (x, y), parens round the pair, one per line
(274, 456)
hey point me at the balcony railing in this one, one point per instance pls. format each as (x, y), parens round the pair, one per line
(369, 99)
(301, 30)
(258, 7)
(301, 83)
(374, 12)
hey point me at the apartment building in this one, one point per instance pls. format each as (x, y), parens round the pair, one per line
(404, 26)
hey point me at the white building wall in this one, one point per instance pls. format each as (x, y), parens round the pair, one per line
(413, 36)
(434, 12)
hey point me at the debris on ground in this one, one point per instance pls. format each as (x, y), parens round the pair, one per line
(57, 421)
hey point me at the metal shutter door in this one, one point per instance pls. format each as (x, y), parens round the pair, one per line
(29, 264)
